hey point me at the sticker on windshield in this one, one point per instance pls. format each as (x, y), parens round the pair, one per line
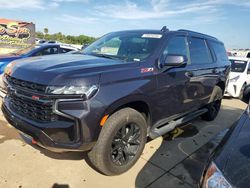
(155, 36)
(137, 59)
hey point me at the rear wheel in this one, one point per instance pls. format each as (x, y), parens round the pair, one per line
(120, 143)
(213, 107)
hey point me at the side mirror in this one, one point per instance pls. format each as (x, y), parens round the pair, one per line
(248, 71)
(175, 61)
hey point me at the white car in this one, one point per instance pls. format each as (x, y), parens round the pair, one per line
(239, 77)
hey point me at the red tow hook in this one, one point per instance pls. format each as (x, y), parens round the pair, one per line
(33, 141)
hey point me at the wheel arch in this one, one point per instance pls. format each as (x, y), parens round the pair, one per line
(138, 103)
(222, 85)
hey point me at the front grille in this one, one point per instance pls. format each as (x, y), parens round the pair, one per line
(25, 84)
(31, 109)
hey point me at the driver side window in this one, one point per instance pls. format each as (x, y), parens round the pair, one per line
(47, 51)
(176, 46)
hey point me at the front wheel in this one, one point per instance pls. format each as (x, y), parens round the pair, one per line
(120, 143)
(213, 107)
(241, 96)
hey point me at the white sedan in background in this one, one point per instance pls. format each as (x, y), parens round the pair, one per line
(239, 77)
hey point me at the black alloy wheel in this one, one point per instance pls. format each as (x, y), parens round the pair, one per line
(125, 144)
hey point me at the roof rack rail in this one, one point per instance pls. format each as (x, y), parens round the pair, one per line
(194, 32)
(164, 29)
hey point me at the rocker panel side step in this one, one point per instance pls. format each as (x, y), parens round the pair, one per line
(157, 132)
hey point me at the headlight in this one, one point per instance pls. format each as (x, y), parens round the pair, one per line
(234, 79)
(214, 178)
(73, 90)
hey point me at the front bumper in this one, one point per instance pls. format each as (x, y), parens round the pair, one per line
(52, 136)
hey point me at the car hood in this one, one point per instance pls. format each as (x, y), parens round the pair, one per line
(7, 58)
(234, 158)
(66, 69)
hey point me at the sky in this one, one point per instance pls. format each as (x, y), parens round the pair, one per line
(228, 20)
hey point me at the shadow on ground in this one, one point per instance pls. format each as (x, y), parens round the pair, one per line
(183, 158)
(7, 133)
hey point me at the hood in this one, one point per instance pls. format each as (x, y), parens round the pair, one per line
(64, 69)
(7, 59)
(234, 74)
(234, 159)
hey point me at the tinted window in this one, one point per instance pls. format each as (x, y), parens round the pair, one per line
(238, 66)
(65, 50)
(248, 55)
(47, 51)
(199, 51)
(176, 46)
(219, 51)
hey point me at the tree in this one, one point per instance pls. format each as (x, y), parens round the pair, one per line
(45, 31)
(81, 39)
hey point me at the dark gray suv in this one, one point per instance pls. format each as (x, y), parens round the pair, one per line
(123, 88)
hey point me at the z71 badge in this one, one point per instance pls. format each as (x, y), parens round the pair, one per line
(146, 70)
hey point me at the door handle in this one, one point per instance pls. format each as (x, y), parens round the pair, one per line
(189, 74)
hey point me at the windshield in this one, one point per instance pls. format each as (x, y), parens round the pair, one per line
(124, 46)
(23, 50)
(238, 66)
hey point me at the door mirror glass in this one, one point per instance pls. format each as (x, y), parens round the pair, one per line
(175, 60)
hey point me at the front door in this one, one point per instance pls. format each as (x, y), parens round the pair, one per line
(171, 94)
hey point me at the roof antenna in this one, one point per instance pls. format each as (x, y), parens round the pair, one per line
(164, 29)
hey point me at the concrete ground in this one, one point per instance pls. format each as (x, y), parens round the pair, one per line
(166, 162)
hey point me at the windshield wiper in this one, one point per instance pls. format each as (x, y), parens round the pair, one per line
(105, 56)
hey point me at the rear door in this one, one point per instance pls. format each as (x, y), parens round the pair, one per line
(202, 72)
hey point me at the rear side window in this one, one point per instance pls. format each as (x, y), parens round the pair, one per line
(47, 51)
(199, 51)
(219, 51)
(65, 50)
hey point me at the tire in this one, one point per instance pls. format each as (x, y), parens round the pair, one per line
(246, 98)
(241, 96)
(214, 106)
(120, 142)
